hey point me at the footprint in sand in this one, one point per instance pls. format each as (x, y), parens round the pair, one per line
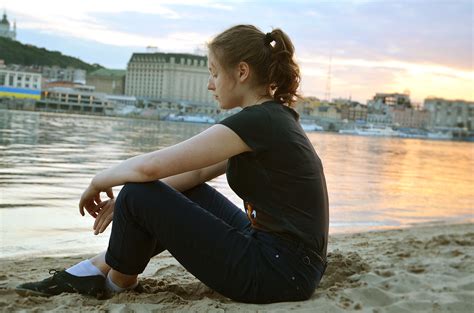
(416, 268)
(341, 267)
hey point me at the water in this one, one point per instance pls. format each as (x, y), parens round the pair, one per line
(47, 160)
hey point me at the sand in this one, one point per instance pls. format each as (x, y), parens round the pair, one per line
(418, 269)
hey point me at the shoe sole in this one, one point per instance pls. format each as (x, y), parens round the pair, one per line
(27, 292)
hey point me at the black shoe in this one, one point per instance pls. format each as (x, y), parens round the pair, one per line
(62, 281)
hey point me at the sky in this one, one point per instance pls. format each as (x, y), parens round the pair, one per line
(423, 47)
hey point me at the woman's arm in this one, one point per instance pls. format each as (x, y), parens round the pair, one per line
(180, 182)
(188, 180)
(214, 145)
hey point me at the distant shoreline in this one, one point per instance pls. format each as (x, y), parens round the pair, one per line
(154, 118)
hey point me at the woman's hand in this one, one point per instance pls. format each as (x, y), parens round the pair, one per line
(105, 215)
(90, 200)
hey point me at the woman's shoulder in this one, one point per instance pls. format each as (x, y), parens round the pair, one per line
(275, 109)
(263, 115)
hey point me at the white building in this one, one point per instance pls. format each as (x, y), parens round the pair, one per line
(17, 82)
(450, 113)
(381, 102)
(5, 30)
(171, 77)
(81, 99)
(70, 74)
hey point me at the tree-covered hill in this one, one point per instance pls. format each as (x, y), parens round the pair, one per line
(14, 52)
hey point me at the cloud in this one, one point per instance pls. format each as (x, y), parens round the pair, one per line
(80, 19)
(412, 67)
(376, 45)
(363, 78)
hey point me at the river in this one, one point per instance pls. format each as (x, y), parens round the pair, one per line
(46, 161)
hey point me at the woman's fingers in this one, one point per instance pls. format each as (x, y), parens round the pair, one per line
(89, 207)
(104, 216)
(81, 207)
(110, 193)
(97, 208)
(102, 222)
(97, 198)
(99, 211)
(105, 223)
(91, 201)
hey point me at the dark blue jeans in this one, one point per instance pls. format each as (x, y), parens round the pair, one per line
(213, 239)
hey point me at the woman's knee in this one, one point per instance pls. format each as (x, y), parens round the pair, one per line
(198, 191)
(130, 196)
(137, 196)
(133, 190)
(128, 190)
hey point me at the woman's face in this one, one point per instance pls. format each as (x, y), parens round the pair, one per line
(223, 85)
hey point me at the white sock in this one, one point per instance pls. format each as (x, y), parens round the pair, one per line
(114, 288)
(84, 268)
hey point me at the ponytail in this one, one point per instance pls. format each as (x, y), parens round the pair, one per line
(283, 72)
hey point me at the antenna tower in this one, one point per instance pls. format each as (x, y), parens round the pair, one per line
(328, 81)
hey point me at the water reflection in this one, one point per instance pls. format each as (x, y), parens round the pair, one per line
(395, 182)
(46, 160)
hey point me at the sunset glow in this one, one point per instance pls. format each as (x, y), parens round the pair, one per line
(411, 49)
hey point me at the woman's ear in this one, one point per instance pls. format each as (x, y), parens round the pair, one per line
(244, 71)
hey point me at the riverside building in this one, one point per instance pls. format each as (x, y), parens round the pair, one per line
(80, 99)
(450, 113)
(16, 82)
(70, 74)
(410, 118)
(381, 102)
(169, 77)
(108, 81)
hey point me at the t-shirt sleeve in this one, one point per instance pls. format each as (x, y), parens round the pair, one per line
(252, 125)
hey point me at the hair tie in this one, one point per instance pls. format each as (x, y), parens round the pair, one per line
(268, 38)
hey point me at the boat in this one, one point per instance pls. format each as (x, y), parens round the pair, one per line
(191, 118)
(439, 135)
(423, 134)
(371, 130)
(311, 127)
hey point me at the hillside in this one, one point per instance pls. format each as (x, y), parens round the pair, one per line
(14, 52)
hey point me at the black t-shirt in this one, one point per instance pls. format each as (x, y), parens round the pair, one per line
(281, 180)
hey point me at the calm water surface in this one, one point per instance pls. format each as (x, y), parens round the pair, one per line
(47, 160)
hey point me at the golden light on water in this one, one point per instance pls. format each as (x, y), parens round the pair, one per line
(373, 183)
(390, 182)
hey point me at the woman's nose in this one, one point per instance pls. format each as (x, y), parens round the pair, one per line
(210, 84)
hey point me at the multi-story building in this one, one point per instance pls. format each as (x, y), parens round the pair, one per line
(111, 82)
(56, 73)
(382, 101)
(450, 113)
(5, 29)
(171, 77)
(81, 99)
(329, 112)
(16, 82)
(59, 83)
(380, 118)
(307, 105)
(411, 118)
(354, 112)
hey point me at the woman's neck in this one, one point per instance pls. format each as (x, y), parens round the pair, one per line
(257, 100)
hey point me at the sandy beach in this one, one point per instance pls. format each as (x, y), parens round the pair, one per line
(418, 269)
